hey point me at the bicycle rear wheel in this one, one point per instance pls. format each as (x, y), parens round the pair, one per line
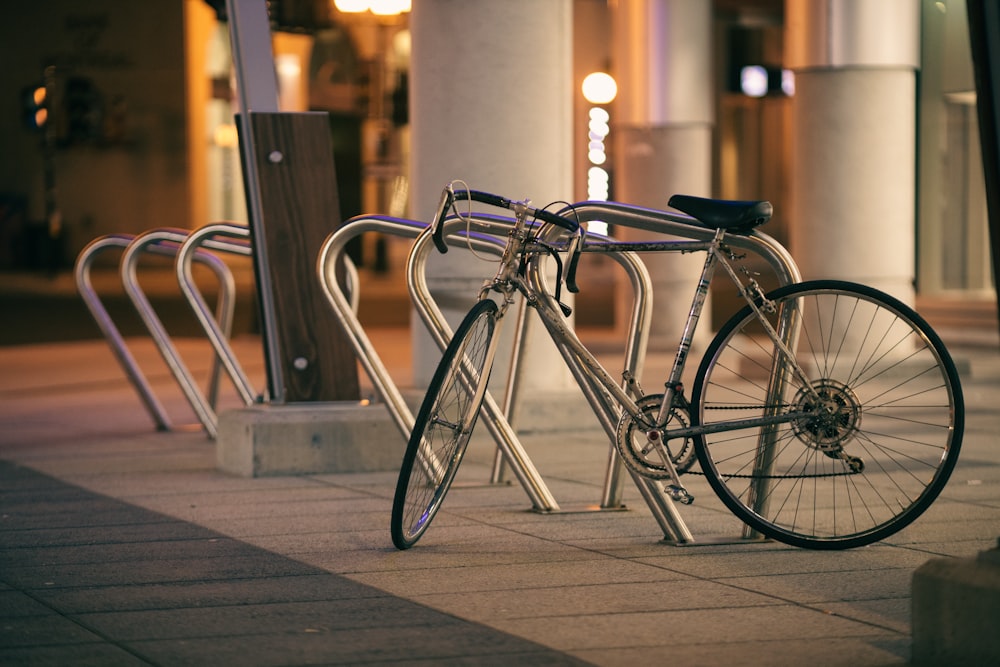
(443, 426)
(880, 424)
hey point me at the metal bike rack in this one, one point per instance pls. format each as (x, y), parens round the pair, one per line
(82, 272)
(332, 250)
(217, 336)
(209, 236)
(483, 232)
(663, 509)
(203, 407)
(766, 247)
(486, 234)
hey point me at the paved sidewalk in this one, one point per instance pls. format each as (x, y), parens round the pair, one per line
(120, 545)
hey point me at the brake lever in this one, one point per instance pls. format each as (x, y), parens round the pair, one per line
(574, 250)
(437, 234)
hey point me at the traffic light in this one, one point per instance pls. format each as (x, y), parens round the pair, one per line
(35, 106)
(84, 108)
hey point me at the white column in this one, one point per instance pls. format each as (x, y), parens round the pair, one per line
(853, 133)
(663, 121)
(491, 104)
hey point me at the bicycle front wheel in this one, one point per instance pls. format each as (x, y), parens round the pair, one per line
(845, 441)
(443, 426)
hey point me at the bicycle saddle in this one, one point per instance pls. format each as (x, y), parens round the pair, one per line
(734, 216)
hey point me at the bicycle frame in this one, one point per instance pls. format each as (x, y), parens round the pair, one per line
(589, 373)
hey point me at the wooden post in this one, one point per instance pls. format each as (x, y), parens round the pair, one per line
(292, 201)
(298, 208)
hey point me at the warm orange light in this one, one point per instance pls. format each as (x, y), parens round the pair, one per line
(599, 88)
(390, 7)
(351, 6)
(377, 7)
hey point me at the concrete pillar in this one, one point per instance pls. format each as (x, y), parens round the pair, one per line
(853, 133)
(662, 123)
(491, 104)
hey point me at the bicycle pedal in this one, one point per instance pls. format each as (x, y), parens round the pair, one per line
(678, 494)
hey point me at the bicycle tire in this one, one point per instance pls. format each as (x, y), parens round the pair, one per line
(444, 422)
(878, 455)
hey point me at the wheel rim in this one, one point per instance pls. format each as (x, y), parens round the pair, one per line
(443, 428)
(882, 429)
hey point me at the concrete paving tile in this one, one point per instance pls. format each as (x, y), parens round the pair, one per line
(161, 570)
(14, 603)
(382, 556)
(452, 644)
(572, 633)
(642, 546)
(94, 511)
(327, 615)
(356, 480)
(78, 655)
(125, 463)
(586, 599)
(45, 630)
(707, 650)
(313, 586)
(494, 577)
(330, 505)
(336, 547)
(958, 549)
(204, 484)
(250, 528)
(892, 613)
(99, 534)
(127, 553)
(948, 510)
(959, 529)
(812, 588)
(722, 562)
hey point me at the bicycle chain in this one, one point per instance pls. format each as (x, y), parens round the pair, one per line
(750, 407)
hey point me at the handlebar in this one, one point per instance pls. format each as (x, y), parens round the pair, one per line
(449, 196)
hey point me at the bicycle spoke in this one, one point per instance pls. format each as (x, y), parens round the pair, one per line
(881, 424)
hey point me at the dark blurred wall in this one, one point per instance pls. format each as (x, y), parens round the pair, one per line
(120, 161)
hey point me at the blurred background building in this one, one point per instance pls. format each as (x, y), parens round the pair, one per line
(119, 118)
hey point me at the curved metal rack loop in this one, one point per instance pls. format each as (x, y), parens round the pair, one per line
(82, 273)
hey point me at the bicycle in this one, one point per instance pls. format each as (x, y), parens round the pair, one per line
(824, 414)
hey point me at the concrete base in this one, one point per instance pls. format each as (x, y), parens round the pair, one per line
(956, 611)
(299, 439)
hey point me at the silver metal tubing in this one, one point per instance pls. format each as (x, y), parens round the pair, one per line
(525, 471)
(512, 390)
(82, 271)
(85, 286)
(199, 403)
(607, 411)
(333, 248)
(326, 268)
(763, 245)
(238, 243)
(676, 224)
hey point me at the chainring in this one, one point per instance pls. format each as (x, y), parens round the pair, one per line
(634, 448)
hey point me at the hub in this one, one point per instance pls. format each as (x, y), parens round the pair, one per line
(835, 416)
